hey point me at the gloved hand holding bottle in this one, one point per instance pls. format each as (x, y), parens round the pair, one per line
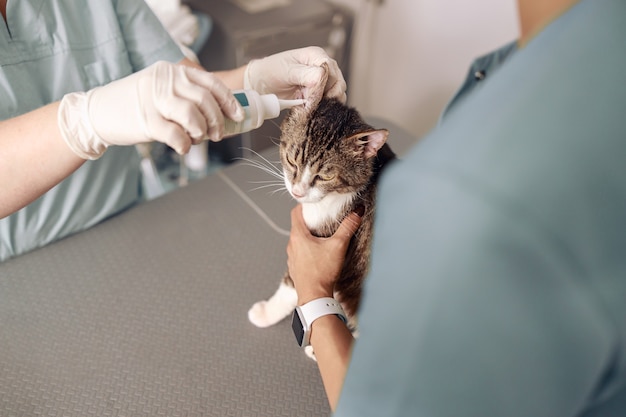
(174, 104)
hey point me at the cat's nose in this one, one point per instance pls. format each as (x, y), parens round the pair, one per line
(298, 191)
(297, 194)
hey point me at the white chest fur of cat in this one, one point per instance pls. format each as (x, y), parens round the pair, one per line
(318, 209)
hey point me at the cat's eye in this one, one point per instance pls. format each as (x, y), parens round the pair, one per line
(291, 161)
(326, 177)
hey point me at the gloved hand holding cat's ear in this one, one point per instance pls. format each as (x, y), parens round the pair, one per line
(295, 73)
(165, 102)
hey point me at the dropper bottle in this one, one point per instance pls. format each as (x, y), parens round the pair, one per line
(257, 108)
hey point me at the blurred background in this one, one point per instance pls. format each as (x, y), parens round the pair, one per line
(403, 59)
(410, 56)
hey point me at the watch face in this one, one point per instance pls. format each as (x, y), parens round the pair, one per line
(298, 327)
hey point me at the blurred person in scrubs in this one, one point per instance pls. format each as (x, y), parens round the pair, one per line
(498, 273)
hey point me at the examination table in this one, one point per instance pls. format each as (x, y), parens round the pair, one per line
(146, 313)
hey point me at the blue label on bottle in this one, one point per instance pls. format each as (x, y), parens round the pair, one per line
(242, 99)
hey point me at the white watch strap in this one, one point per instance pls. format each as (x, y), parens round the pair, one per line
(321, 307)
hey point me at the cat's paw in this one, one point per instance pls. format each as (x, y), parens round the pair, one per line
(279, 306)
(259, 315)
(310, 353)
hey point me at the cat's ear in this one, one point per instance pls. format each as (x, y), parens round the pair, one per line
(317, 93)
(370, 142)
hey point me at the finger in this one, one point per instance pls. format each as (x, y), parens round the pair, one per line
(311, 55)
(333, 70)
(314, 56)
(186, 114)
(296, 227)
(219, 92)
(336, 85)
(348, 227)
(174, 99)
(336, 90)
(214, 100)
(170, 133)
(310, 79)
(305, 76)
(214, 118)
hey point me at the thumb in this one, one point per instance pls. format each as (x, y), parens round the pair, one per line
(307, 76)
(348, 227)
(310, 81)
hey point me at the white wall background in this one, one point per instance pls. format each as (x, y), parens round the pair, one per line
(409, 56)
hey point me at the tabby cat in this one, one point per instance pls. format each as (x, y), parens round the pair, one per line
(331, 161)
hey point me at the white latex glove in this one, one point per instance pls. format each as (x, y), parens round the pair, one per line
(293, 74)
(165, 102)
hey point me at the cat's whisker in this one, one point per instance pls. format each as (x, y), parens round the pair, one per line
(275, 185)
(282, 190)
(264, 164)
(261, 156)
(255, 163)
(271, 170)
(272, 185)
(275, 141)
(266, 181)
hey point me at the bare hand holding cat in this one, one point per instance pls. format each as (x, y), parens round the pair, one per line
(314, 266)
(315, 263)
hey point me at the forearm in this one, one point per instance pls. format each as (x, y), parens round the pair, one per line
(314, 265)
(332, 343)
(233, 79)
(33, 158)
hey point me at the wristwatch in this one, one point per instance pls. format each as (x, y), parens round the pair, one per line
(304, 316)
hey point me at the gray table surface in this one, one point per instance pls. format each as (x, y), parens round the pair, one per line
(146, 313)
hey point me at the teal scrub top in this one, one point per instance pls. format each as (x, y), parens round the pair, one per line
(49, 48)
(498, 276)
